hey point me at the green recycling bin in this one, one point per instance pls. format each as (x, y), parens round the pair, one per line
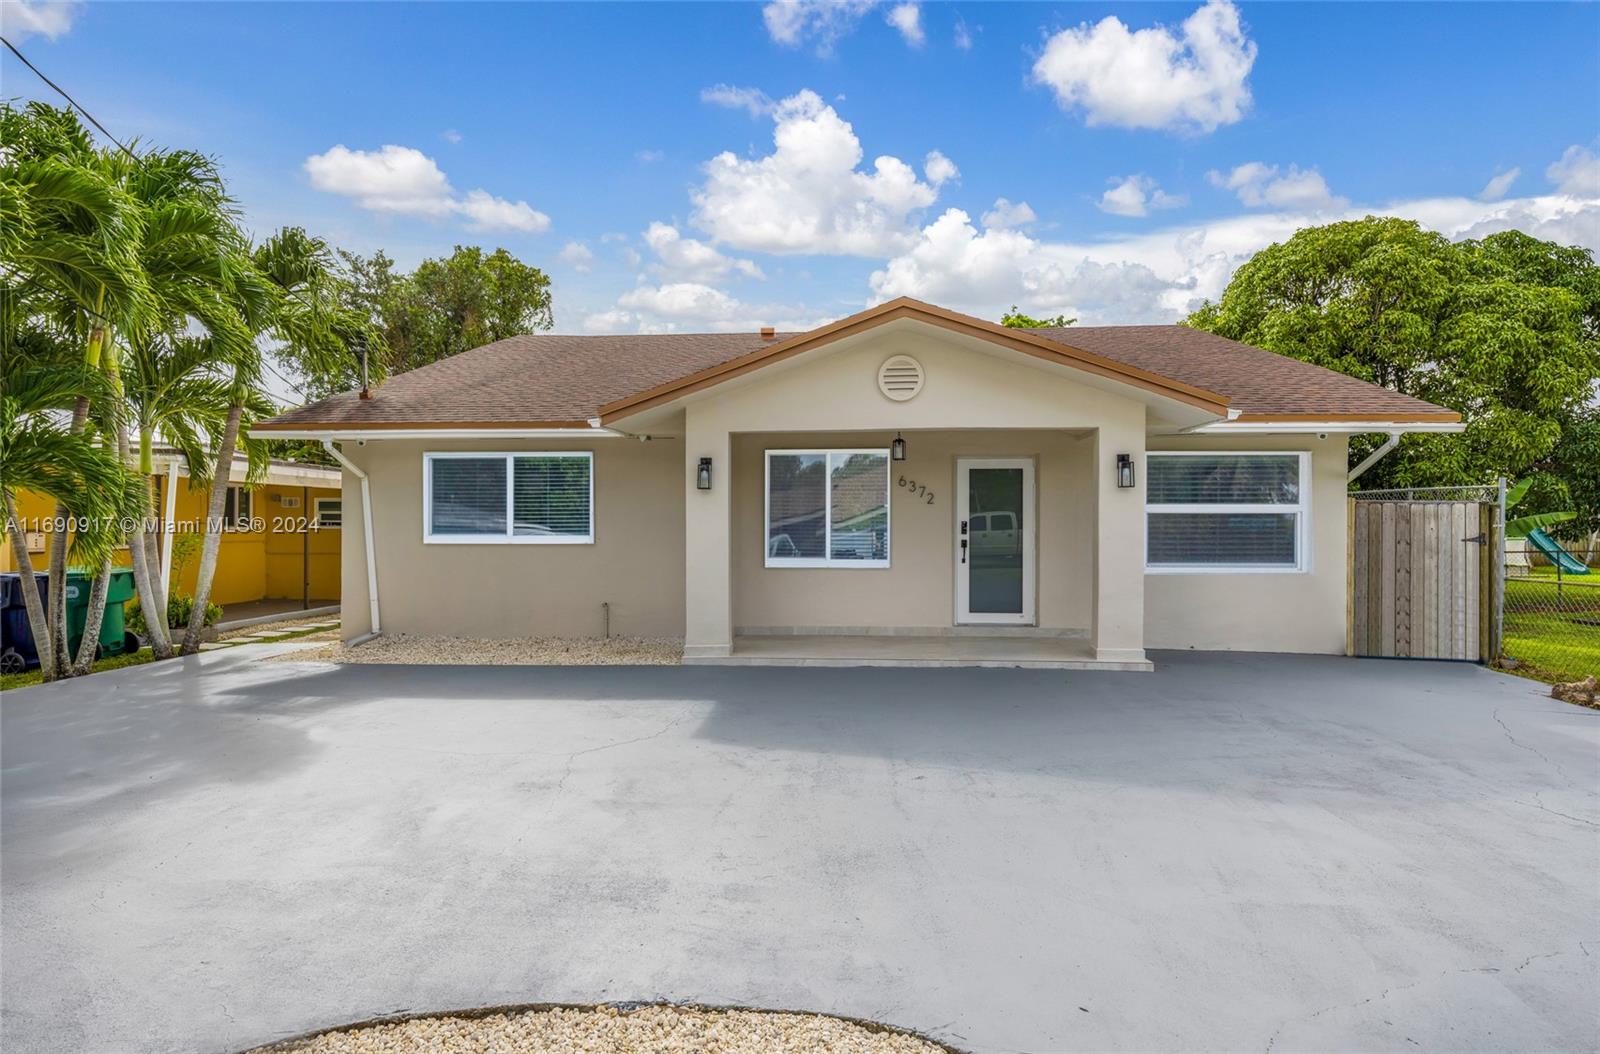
(114, 636)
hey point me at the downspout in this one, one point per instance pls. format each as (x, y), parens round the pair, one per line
(1374, 457)
(366, 530)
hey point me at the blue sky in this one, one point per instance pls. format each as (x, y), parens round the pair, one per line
(1142, 151)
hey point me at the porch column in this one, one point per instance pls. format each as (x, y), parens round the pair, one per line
(1119, 542)
(707, 540)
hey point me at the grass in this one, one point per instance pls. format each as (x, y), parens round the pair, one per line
(1553, 633)
(8, 681)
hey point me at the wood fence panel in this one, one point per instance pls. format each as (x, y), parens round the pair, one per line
(1359, 553)
(1386, 589)
(1402, 581)
(1418, 585)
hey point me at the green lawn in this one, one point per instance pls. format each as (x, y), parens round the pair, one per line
(9, 681)
(1556, 631)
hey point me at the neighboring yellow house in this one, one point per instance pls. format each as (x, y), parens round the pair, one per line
(282, 543)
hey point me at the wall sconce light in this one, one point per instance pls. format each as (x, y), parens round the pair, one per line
(1124, 470)
(897, 449)
(702, 475)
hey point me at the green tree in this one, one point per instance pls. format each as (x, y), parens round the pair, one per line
(278, 291)
(42, 376)
(446, 306)
(1015, 319)
(1502, 330)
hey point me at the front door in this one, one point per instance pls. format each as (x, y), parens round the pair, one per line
(994, 540)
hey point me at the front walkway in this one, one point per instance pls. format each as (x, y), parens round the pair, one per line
(1232, 853)
(259, 612)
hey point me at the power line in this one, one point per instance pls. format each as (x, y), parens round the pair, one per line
(70, 100)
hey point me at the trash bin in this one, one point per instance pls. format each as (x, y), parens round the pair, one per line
(19, 651)
(113, 626)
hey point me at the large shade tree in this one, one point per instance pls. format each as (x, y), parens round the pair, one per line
(1505, 330)
(446, 306)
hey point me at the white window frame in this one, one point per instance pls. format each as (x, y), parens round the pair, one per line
(316, 514)
(1301, 510)
(429, 538)
(243, 501)
(826, 453)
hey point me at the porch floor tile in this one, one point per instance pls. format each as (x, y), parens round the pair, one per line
(1054, 653)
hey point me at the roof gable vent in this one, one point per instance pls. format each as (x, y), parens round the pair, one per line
(900, 378)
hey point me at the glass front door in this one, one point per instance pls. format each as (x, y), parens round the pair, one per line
(994, 540)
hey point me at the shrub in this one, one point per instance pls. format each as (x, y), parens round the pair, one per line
(179, 608)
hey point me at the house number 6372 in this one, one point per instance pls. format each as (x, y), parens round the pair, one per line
(919, 490)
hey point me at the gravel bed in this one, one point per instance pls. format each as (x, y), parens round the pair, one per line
(402, 649)
(609, 1030)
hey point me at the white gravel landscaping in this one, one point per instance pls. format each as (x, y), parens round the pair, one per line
(609, 1030)
(403, 649)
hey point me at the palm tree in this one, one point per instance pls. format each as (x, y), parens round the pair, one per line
(190, 253)
(172, 388)
(42, 377)
(289, 294)
(69, 255)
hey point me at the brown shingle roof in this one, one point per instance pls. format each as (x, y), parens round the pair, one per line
(531, 379)
(1256, 381)
(551, 380)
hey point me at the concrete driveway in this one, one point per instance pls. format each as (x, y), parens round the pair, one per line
(1234, 853)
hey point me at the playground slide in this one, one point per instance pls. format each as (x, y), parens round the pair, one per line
(1569, 564)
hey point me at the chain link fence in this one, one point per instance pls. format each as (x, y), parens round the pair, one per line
(1551, 613)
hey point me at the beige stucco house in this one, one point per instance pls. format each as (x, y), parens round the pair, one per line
(905, 485)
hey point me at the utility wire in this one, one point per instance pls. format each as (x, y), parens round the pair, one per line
(70, 100)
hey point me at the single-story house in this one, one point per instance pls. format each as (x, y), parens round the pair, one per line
(280, 543)
(907, 484)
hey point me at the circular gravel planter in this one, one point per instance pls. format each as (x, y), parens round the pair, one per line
(611, 1029)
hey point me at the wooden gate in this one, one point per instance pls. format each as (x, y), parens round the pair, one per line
(1421, 579)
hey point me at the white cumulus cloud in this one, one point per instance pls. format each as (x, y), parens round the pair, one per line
(939, 169)
(694, 307)
(753, 100)
(795, 23)
(691, 260)
(51, 19)
(1260, 185)
(578, 256)
(907, 18)
(1162, 275)
(1576, 172)
(808, 195)
(1136, 196)
(1006, 216)
(1192, 79)
(1496, 188)
(405, 181)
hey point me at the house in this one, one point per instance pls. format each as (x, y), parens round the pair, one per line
(280, 545)
(907, 484)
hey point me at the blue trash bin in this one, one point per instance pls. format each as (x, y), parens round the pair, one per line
(17, 649)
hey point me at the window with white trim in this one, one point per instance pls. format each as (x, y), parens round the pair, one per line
(328, 513)
(236, 508)
(827, 508)
(1210, 511)
(521, 498)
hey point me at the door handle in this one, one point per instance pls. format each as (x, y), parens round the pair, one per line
(963, 550)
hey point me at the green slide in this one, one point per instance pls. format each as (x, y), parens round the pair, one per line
(1569, 564)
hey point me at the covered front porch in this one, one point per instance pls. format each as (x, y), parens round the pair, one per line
(976, 547)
